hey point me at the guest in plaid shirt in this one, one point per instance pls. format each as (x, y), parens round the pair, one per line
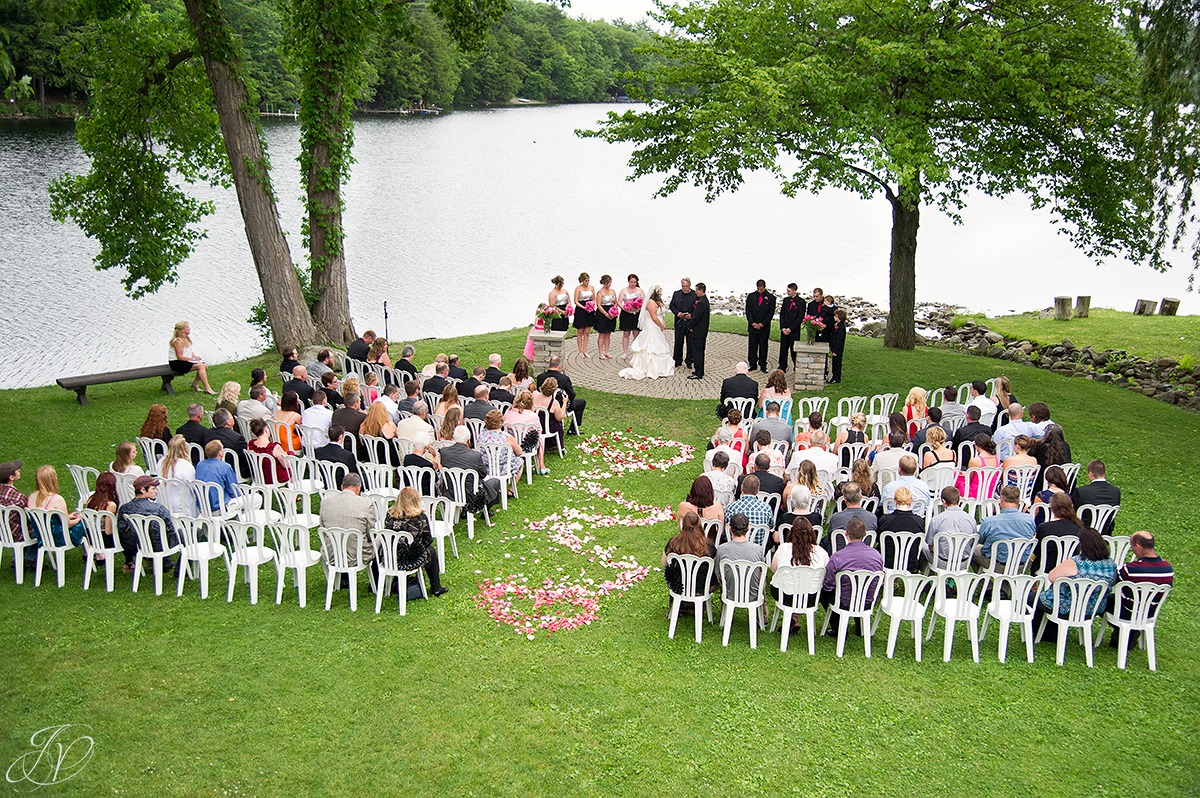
(10, 472)
(755, 509)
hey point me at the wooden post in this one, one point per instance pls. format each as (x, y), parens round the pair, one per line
(1083, 304)
(1144, 307)
(1062, 308)
(1169, 306)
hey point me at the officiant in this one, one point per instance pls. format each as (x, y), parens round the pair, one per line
(683, 302)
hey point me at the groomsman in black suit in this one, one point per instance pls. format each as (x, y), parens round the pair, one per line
(760, 310)
(824, 311)
(791, 313)
(697, 334)
(682, 302)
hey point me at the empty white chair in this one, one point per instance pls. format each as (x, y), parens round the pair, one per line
(42, 521)
(1119, 547)
(905, 597)
(422, 479)
(799, 589)
(387, 557)
(965, 606)
(1083, 600)
(257, 504)
(199, 544)
(461, 483)
(442, 516)
(8, 541)
(1010, 557)
(696, 588)
(1013, 600)
(154, 544)
(293, 550)
(97, 523)
(305, 475)
(498, 467)
(855, 594)
(379, 480)
(246, 550)
(743, 583)
(1144, 602)
(153, 451)
(124, 488)
(296, 507)
(807, 405)
(343, 550)
(84, 478)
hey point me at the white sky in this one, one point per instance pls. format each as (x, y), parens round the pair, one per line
(629, 10)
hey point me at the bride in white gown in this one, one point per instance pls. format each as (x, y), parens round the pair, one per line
(650, 355)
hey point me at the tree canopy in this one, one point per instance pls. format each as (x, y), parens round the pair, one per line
(921, 102)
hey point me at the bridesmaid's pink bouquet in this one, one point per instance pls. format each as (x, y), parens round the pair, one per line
(633, 304)
(570, 310)
(589, 306)
(613, 312)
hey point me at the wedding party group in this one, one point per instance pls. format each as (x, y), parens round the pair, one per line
(641, 319)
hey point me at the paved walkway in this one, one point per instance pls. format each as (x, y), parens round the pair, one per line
(722, 353)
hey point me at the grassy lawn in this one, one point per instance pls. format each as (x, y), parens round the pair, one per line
(191, 697)
(1146, 336)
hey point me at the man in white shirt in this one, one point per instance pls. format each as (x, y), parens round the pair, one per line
(816, 452)
(388, 400)
(255, 406)
(717, 476)
(979, 399)
(319, 417)
(1007, 433)
(921, 492)
(889, 459)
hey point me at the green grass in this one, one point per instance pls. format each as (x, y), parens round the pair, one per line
(186, 697)
(1145, 336)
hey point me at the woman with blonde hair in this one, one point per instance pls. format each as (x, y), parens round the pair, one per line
(155, 425)
(914, 410)
(183, 360)
(776, 390)
(449, 400)
(124, 462)
(352, 385)
(378, 423)
(939, 455)
(860, 474)
(370, 389)
(407, 514)
(855, 433)
(584, 318)
(231, 394)
(178, 465)
(47, 497)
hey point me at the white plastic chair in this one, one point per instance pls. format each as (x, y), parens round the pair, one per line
(176, 496)
(151, 529)
(1017, 607)
(951, 552)
(909, 603)
(1024, 477)
(758, 534)
(939, 478)
(42, 520)
(309, 436)
(861, 590)
(1016, 551)
(379, 480)
(343, 550)
(387, 545)
(498, 466)
(293, 551)
(1072, 471)
(199, 544)
(246, 553)
(124, 488)
(1097, 516)
(851, 452)
(696, 574)
(965, 606)
(807, 405)
(898, 548)
(838, 540)
(461, 482)
(296, 508)
(84, 478)
(442, 516)
(714, 529)
(422, 479)
(202, 494)
(153, 451)
(570, 420)
(982, 482)
(799, 589)
(743, 583)
(8, 541)
(744, 404)
(331, 474)
(1086, 602)
(1055, 550)
(546, 434)
(1145, 601)
(376, 449)
(94, 545)
(1118, 547)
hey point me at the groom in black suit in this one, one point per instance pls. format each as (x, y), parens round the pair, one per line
(697, 335)
(760, 311)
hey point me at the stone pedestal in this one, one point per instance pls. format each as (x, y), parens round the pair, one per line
(810, 367)
(546, 344)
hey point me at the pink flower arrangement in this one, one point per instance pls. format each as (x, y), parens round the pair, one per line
(547, 313)
(633, 304)
(589, 306)
(570, 310)
(812, 325)
(613, 312)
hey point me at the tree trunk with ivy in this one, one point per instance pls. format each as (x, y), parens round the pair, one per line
(331, 312)
(288, 313)
(901, 332)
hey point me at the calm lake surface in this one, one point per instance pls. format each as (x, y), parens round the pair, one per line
(458, 223)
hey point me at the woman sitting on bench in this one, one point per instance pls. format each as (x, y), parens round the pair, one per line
(182, 360)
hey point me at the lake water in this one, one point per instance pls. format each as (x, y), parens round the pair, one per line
(458, 223)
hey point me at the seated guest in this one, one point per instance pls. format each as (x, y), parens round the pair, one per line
(521, 414)
(10, 472)
(298, 384)
(750, 506)
(440, 360)
(777, 391)
(817, 454)
(854, 556)
(815, 424)
(289, 414)
(411, 390)
(370, 389)
(388, 399)
(720, 480)
(333, 452)
(275, 470)
(521, 378)
(902, 519)
(724, 445)
(322, 365)
(457, 372)
(460, 455)
(417, 422)
(452, 419)
(192, 430)
(739, 547)
(860, 474)
(938, 455)
(407, 514)
(155, 425)
(889, 459)
(1092, 560)
(1039, 417)
(800, 548)
(855, 433)
(329, 384)
(361, 346)
(575, 405)
(125, 460)
(424, 456)
(215, 470)
(1051, 450)
(259, 377)
(740, 386)
(1147, 568)
(229, 396)
(503, 393)
(405, 362)
(1063, 523)
(773, 424)
(544, 399)
(1098, 490)
(105, 498)
(689, 540)
(914, 411)
(255, 407)
(700, 501)
(47, 497)
(468, 386)
(852, 496)
(1022, 446)
(919, 491)
(481, 407)
(349, 509)
(318, 417)
(493, 435)
(229, 437)
(797, 505)
(985, 457)
(1006, 433)
(376, 423)
(950, 404)
(144, 502)
(349, 417)
(952, 519)
(1056, 482)
(1009, 524)
(762, 445)
(760, 468)
(968, 431)
(289, 364)
(979, 398)
(438, 382)
(449, 399)
(732, 423)
(933, 418)
(176, 465)
(378, 353)
(493, 372)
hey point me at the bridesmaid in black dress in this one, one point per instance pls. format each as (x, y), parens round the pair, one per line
(584, 319)
(558, 298)
(606, 300)
(629, 320)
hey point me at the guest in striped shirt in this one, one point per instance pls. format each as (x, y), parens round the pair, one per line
(1147, 568)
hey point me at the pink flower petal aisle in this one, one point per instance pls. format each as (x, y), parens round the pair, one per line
(572, 601)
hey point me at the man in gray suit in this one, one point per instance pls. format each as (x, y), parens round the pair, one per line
(780, 430)
(460, 455)
(480, 407)
(349, 509)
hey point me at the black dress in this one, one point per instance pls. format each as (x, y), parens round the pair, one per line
(562, 299)
(584, 319)
(629, 321)
(605, 323)
(420, 553)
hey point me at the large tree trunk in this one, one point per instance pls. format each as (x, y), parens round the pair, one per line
(287, 311)
(326, 242)
(901, 332)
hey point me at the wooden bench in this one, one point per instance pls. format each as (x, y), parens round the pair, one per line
(80, 384)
